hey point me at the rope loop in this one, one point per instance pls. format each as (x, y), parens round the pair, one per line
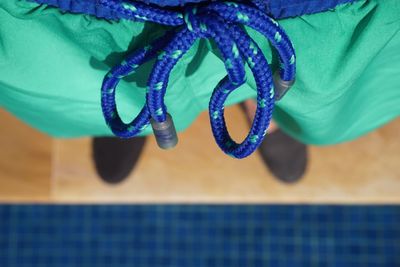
(220, 21)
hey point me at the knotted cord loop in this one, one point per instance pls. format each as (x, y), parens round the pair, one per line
(218, 21)
(191, 20)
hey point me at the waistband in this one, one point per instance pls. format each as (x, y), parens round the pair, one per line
(278, 9)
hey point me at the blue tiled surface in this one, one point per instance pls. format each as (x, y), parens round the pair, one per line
(196, 235)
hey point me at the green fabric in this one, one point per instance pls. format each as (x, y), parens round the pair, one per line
(348, 82)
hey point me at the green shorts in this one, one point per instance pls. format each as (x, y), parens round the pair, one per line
(348, 82)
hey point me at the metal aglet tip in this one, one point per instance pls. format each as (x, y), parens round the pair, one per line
(165, 133)
(281, 87)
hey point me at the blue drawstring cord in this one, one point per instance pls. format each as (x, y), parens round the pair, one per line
(220, 21)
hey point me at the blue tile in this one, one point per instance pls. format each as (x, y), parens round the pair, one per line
(199, 235)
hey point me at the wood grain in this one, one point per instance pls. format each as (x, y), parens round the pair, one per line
(362, 171)
(25, 161)
(35, 168)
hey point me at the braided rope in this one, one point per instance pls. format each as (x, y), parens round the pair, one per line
(221, 22)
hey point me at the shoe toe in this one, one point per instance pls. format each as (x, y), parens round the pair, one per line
(285, 157)
(114, 158)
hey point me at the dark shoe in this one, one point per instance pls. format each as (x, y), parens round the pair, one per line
(285, 157)
(115, 158)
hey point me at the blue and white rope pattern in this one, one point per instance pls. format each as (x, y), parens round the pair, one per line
(220, 21)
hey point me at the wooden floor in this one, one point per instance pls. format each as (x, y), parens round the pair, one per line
(36, 168)
(25, 161)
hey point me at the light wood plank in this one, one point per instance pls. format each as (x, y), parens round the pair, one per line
(363, 171)
(25, 161)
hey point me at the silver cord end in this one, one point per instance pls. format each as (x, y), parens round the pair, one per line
(165, 133)
(281, 87)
